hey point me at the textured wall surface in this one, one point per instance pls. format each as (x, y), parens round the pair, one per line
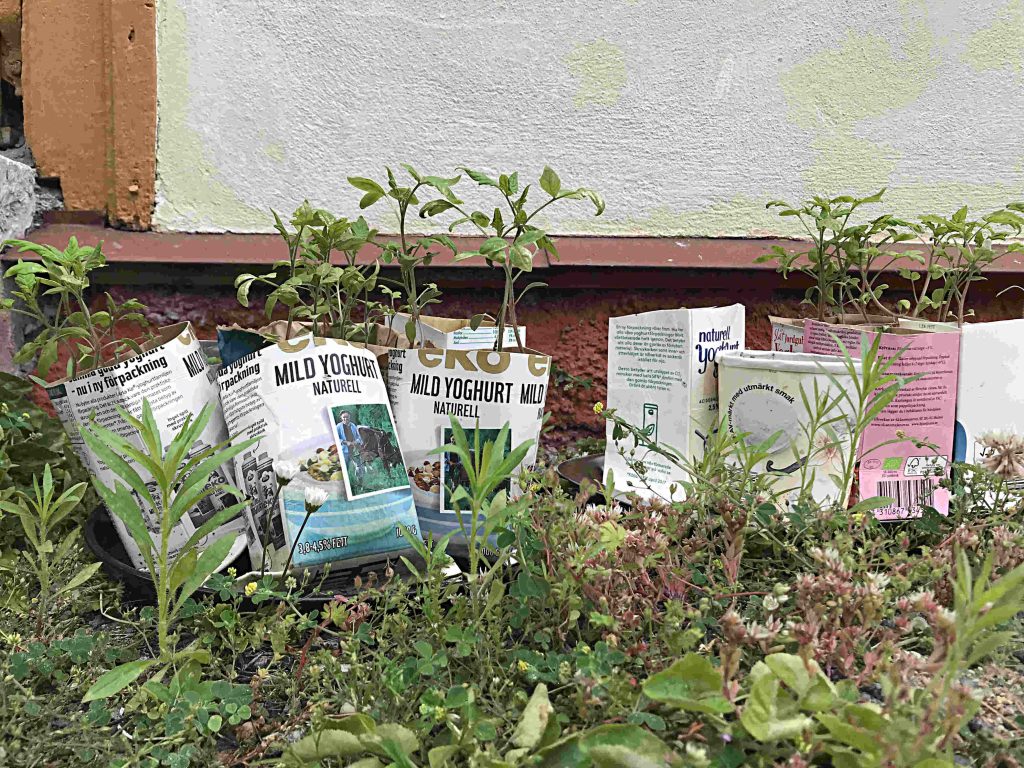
(687, 115)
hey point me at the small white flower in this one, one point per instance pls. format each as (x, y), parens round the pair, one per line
(698, 755)
(285, 471)
(878, 581)
(315, 498)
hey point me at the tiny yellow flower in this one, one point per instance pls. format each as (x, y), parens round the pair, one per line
(250, 589)
(523, 666)
(598, 407)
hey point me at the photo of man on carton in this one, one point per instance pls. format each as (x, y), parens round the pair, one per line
(367, 446)
(349, 439)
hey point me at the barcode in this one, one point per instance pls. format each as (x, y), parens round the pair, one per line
(909, 494)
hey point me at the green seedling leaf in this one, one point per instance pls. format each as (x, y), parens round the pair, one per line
(324, 744)
(550, 182)
(691, 684)
(627, 746)
(534, 720)
(117, 679)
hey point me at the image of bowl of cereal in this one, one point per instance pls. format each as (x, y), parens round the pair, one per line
(425, 479)
(324, 466)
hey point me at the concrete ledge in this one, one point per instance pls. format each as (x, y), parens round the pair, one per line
(574, 251)
(183, 248)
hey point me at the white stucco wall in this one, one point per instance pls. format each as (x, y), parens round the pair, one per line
(686, 115)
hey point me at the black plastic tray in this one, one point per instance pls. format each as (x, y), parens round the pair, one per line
(102, 538)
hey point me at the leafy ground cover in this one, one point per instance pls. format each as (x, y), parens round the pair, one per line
(724, 630)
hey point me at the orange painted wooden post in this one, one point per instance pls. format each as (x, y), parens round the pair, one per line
(133, 112)
(89, 84)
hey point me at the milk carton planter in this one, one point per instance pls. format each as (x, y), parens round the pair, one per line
(990, 392)
(990, 400)
(663, 378)
(482, 390)
(906, 470)
(172, 374)
(451, 333)
(788, 333)
(320, 408)
(763, 395)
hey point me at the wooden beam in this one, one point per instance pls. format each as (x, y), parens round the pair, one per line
(133, 112)
(89, 80)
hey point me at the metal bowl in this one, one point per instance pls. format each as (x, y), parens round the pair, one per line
(589, 468)
(583, 468)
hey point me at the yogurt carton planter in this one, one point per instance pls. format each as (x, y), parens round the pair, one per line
(788, 332)
(173, 374)
(990, 396)
(234, 341)
(321, 405)
(453, 333)
(922, 414)
(760, 393)
(482, 390)
(663, 377)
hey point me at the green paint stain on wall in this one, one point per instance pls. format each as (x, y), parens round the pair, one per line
(1001, 44)
(275, 152)
(739, 217)
(867, 76)
(946, 197)
(747, 217)
(600, 68)
(846, 163)
(191, 194)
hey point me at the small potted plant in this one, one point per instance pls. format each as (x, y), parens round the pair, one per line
(486, 389)
(333, 301)
(407, 297)
(108, 371)
(85, 336)
(958, 250)
(837, 263)
(512, 240)
(953, 369)
(326, 475)
(846, 263)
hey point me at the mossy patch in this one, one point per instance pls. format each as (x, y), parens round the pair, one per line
(1001, 44)
(600, 67)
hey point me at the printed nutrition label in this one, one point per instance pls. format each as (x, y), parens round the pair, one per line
(650, 346)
